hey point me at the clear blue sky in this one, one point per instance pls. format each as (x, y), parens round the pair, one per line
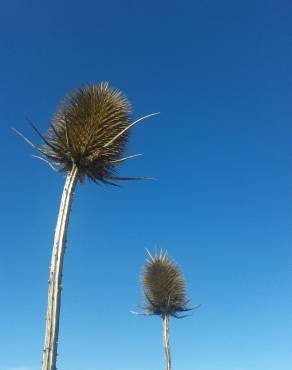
(219, 73)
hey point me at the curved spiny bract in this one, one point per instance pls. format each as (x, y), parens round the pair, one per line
(86, 121)
(164, 287)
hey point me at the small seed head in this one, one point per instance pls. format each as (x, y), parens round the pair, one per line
(163, 286)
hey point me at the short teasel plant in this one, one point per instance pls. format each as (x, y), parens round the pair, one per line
(165, 293)
(86, 139)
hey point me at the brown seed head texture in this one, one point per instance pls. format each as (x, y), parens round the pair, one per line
(163, 286)
(89, 131)
(87, 120)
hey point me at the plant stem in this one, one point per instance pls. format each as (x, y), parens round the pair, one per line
(55, 280)
(166, 340)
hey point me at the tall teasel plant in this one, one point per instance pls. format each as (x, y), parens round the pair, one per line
(86, 139)
(165, 293)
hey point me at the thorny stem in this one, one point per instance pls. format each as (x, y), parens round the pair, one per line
(55, 280)
(165, 322)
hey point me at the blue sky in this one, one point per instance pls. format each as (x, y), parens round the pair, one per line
(219, 73)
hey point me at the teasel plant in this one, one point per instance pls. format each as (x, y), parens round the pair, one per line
(86, 139)
(164, 290)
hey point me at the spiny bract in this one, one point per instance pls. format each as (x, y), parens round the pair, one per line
(85, 132)
(163, 286)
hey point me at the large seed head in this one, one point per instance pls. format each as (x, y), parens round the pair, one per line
(163, 286)
(87, 121)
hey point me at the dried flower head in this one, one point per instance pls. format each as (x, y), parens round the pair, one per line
(89, 130)
(163, 286)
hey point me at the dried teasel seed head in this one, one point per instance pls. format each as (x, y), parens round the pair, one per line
(85, 123)
(163, 286)
(89, 132)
